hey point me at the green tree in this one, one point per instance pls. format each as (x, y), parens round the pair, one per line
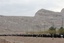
(61, 30)
(52, 30)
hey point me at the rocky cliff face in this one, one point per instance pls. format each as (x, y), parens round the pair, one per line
(50, 18)
(42, 19)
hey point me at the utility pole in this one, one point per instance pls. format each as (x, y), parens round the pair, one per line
(62, 27)
(53, 27)
(62, 22)
(44, 26)
(52, 22)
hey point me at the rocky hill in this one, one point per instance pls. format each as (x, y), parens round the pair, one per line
(42, 19)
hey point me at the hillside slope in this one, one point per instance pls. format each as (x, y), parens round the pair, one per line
(42, 19)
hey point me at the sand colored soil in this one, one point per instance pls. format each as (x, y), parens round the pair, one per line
(14, 39)
(4, 41)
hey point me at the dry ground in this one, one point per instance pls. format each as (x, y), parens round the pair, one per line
(4, 41)
(14, 39)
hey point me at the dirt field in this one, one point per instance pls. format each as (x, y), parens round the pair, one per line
(14, 39)
(4, 41)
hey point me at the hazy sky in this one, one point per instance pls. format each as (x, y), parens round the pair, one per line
(28, 7)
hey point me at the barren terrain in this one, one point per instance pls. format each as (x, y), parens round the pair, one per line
(17, 39)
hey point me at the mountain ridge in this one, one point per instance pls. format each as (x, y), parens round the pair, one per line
(19, 24)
